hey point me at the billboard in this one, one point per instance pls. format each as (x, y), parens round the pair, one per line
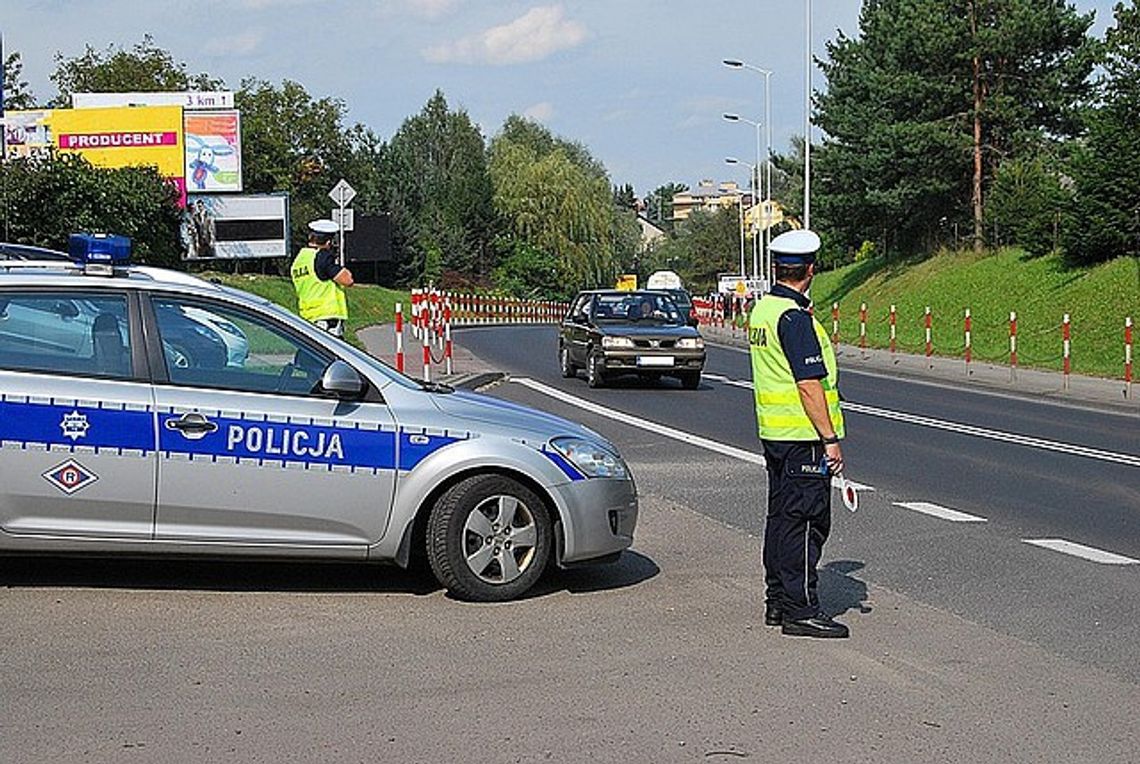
(27, 133)
(213, 151)
(236, 227)
(118, 137)
(188, 99)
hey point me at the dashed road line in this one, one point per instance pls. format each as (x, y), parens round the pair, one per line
(1070, 449)
(942, 513)
(1084, 552)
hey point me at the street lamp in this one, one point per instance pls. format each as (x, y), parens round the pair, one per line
(740, 213)
(756, 180)
(733, 63)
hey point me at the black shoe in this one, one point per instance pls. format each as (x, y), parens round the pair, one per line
(818, 625)
(773, 615)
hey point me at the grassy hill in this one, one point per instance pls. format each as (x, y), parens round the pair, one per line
(367, 304)
(1040, 290)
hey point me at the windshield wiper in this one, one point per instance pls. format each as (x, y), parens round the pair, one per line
(434, 387)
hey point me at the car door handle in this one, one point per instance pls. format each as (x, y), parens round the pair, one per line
(192, 425)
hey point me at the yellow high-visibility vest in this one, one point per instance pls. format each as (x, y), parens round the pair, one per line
(316, 299)
(780, 414)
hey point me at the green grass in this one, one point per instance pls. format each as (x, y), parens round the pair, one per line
(1040, 290)
(368, 305)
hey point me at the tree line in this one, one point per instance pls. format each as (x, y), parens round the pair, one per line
(527, 211)
(989, 122)
(963, 123)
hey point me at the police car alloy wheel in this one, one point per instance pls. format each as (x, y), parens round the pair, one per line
(564, 363)
(488, 539)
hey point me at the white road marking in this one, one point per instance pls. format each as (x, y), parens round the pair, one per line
(942, 513)
(1070, 449)
(1082, 551)
(651, 426)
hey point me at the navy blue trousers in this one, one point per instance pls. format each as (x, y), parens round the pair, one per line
(797, 525)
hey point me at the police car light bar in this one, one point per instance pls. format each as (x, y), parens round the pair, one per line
(99, 253)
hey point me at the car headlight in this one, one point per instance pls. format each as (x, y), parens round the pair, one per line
(590, 458)
(691, 343)
(617, 342)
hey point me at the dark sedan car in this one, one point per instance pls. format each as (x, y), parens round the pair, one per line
(609, 333)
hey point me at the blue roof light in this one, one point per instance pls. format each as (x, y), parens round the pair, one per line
(99, 251)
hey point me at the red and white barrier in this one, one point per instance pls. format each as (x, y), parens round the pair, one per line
(427, 357)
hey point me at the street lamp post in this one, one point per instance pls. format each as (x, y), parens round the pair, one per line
(740, 209)
(733, 63)
(756, 181)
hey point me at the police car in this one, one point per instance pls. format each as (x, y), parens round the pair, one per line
(136, 441)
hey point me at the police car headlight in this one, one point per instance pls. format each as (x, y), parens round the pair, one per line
(590, 458)
(617, 342)
(691, 343)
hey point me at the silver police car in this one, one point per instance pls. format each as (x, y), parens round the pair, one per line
(146, 437)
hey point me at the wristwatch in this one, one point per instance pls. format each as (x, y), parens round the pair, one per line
(829, 441)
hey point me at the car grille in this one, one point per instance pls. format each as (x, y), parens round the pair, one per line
(654, 343)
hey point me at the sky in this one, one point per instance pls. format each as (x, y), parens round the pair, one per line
(641, 84)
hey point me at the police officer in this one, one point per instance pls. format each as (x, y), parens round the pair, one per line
(320, 280)
(794, 378)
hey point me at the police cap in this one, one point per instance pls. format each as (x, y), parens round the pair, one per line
(323, 227)
(795, 247)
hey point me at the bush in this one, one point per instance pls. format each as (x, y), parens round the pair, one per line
(44, 199)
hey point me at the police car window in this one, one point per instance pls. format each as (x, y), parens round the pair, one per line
(66, 333)
(208, 345)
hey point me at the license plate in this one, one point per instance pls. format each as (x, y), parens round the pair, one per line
(655, 360)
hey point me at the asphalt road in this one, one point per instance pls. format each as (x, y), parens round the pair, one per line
(968, 644)
(1087, 492)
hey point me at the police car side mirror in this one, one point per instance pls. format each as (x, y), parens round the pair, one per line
(342, 380)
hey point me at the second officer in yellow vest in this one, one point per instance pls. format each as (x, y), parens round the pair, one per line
(795, 383)
(320, 280)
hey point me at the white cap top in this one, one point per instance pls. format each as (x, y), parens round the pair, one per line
(324, 226)
(795, 244)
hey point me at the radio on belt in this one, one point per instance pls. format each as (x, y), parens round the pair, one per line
(99, 253)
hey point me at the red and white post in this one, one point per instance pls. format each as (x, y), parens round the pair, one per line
(862, 326)
(929, 338)
(892, 329)
(399, 338)
(1012, 346)
(447, 347)
(427, 356)
(1128, 357)
(834, 323)
(969, 337)
(1066, 367)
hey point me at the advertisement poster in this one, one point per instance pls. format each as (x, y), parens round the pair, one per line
(125, 137)
(213, 151)
(236, 227)
(27, 133)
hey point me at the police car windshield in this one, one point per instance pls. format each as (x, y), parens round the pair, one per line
(649, 307)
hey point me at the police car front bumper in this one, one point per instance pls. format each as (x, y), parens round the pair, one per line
(599, 516)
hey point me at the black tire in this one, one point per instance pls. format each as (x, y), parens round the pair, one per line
(564, 363)
(455, 537)
(595, 376)
(690, 380)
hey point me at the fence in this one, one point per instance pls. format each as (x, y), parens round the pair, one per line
(931, 330)
(434, 312)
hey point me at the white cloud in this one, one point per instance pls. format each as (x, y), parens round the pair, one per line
(242, 44)
(541, 112)
(537, 34)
